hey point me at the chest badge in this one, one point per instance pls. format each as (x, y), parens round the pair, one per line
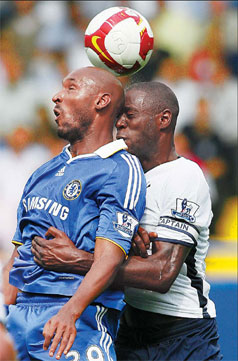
(72, 190)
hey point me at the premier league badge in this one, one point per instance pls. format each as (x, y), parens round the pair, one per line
(185, 209)
(125, 224)
(72, 190)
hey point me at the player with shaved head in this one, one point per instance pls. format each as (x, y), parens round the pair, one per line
(169, 315)
(94, 192)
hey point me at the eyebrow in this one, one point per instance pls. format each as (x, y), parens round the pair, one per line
(69, 80)
(130, 109)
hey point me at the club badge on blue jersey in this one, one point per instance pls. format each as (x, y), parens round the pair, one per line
(125, 224)
(72, 190)
(185, 209)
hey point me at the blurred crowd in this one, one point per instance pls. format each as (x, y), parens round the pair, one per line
(195, 54)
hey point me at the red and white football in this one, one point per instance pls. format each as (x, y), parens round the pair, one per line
(120, 40)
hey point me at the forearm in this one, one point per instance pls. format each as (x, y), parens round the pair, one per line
(145, 273)
(9, 291)
(100, 276)
(61, 327)
(157, 272)
(60, 254)
(150, 273)
(79, 262)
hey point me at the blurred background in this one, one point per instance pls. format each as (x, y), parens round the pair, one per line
(195, 53)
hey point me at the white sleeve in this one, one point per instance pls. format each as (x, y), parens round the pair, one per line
(185, 208)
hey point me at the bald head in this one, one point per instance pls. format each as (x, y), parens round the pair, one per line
(158, 97)
(87, 107)
(98, 80)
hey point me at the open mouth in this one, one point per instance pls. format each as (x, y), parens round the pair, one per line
(57, 114)
(119, 136)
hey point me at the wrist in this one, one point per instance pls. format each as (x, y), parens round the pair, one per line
(72, 308)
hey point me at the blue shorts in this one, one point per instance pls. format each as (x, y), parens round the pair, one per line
(143, 337)
(96, 329)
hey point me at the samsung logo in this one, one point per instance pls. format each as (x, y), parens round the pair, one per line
(54, 208)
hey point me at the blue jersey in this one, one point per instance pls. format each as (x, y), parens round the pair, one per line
(99, 195)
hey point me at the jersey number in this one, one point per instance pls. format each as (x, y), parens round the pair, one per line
(94, 353)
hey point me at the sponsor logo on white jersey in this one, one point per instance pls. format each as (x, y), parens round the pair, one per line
(125, 224)
(185, 209)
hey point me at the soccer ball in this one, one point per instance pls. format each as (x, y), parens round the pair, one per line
(120, 40)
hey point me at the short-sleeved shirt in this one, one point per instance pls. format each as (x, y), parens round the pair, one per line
(99, 195)
(178, 209)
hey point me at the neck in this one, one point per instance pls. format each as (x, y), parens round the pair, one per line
(159, 158)
(89, 144)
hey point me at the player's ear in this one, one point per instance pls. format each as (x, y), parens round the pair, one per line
(164, 118)
(103, 101)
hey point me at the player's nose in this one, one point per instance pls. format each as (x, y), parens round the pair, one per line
(121, 122)
(57, 98)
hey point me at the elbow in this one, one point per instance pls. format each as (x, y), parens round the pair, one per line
(162, 284)
(164, 287)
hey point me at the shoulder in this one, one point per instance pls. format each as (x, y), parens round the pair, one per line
(123, 165)
(192, 177)
(187, 183)
(181, 170)
(181, 178)
(128, 168)
(115, 155)
(185, 171)
(123, 159)
(44, 167)
(125, 179)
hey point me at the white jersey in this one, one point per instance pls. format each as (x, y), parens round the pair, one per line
(178, 208)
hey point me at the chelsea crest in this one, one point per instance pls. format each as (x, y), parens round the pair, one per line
(72, 190)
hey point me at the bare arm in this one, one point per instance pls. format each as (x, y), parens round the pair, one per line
(61, 327)
(9, 291)
(156, 273)
(60, 254)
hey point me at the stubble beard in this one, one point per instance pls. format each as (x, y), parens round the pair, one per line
(75, 133)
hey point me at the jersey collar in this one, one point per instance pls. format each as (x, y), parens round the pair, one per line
(111, 148)
(105, 151)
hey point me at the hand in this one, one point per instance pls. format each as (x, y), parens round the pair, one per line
(55, 253)
(141, 242)
(61, 330)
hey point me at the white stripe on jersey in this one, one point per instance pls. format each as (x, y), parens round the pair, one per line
(129, 182)
(106, 340)
(133, 188)
(139, 185)
(134, 185)
(99, 315)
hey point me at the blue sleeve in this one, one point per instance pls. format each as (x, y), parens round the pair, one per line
(122, 202)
